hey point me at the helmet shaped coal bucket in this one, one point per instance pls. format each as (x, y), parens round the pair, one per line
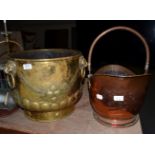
(116, 93)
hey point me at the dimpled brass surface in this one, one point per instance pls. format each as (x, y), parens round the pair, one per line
(50, 88)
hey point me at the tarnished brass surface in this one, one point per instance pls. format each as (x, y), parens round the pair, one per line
(47, 86)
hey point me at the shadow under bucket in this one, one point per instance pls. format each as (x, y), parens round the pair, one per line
(116, 93)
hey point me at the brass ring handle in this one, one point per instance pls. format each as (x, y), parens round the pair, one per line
(10, 71)
(82, 65)
(120, 28)
(11, 80)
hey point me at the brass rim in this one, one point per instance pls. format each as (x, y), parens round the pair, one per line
(122, 76)
(50, 59)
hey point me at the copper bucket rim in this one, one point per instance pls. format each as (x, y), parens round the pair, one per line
(131, 75)
(136, 33)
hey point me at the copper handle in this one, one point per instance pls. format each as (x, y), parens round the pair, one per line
(120, 28)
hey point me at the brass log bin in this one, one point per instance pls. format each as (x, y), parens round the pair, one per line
(46, 83)
(117, 93)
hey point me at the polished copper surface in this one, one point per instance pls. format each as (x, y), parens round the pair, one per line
(116, 93)
(133, 89)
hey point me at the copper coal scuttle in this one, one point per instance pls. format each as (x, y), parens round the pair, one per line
(117, 93)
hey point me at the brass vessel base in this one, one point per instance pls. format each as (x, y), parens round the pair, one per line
(49, 116)
(116, 123)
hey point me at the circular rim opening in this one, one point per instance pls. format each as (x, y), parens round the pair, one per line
(39, 54)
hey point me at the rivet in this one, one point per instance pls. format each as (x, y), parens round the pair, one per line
(44, 106)
(53, 98)
(62, 103)
(49, 93)
(53, 87)
(54, 106)
(56, 92)
(25, 101)
(35, 106)
(57, 114)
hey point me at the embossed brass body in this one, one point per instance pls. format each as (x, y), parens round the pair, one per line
(46, 83)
